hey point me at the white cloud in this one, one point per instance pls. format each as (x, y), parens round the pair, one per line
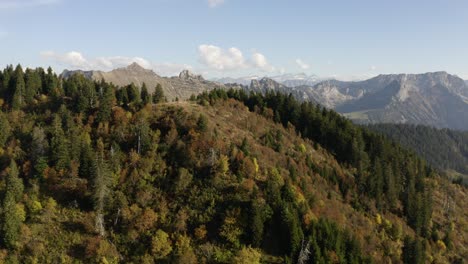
(71, 59)
(74, 60)
(260, 62)
(216, 58)
(373, 68)
(12, 4)
(215, 3)
(302, 64)
(231, 59)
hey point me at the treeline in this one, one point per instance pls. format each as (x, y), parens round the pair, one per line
(444, 149)
(27, 89)
(386, 173)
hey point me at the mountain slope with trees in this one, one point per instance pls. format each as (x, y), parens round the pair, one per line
(443, 148)
(93, 173)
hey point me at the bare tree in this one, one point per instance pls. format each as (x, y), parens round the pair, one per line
(305, 253)
(101, 188)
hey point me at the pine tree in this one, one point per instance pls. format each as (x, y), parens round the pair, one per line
(51, 83)
(133, 94)
(106, 103)
(33, 85)
(59, 145)
(7, 82)
(291, 233)
(5, 130)
(122, 96)
(19, 90)
(158, 95)
(12, 215)
(145, 96)
(413, 251)
(39, 147)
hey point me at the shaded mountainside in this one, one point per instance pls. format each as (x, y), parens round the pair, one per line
(93, 173)
(181, 87)
(442, 148)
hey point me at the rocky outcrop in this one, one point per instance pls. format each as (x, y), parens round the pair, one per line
(181, 87)
(187, 75)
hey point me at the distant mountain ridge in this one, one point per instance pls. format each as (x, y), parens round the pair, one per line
(181, 87)
(290, 80)
(436, 99)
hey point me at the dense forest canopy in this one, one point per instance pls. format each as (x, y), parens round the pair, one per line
(92, 173)
(392, 176)
(444, 149)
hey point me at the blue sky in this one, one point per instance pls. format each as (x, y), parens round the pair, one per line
(345, 39)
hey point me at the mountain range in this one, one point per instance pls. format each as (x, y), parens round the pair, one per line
(436, 99)
(290, 80)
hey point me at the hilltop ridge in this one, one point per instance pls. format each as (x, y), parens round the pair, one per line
(181, 87)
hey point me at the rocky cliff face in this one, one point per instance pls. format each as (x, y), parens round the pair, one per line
(181, 87)
(437, 99)
(187, 75)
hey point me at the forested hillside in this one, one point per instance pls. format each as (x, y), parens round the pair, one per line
(443, 148)
(92, 173)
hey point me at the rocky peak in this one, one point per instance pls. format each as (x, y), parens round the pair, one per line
(135, 67)
(187, 75)
(265, 84)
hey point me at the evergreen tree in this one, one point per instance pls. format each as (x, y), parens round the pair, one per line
(413, 251)
(51, 83)
(122, 96)
(59, 145)
(39, 148)
(133, 94)
(33, 84)
(7, 85)
(259, 215)
(106, 103)
(13, 215)
(202, 123)
(145, 96)
(5, 130)
(19, 89)
(291, 231)
(158, 95)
